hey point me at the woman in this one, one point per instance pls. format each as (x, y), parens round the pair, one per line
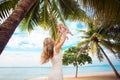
(51, 51)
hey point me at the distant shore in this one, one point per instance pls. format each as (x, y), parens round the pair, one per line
(102, 76)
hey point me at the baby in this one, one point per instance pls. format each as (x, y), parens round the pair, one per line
(62, 29)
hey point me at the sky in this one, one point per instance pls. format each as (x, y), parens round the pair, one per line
(24, 49)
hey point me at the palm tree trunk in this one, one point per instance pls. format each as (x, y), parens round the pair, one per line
(9, 26)
(76, 71)
(115, 71)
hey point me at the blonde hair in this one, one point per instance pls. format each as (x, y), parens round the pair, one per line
(47, 52)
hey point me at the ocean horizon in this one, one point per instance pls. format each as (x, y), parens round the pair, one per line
(24, 73)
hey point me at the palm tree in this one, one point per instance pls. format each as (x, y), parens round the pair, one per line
(9, 26)
(106, 14)
(36, 12)
(95, 39)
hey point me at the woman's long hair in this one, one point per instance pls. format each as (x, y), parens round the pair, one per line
(47, 52)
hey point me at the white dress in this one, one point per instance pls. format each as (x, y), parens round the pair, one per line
(56, 72)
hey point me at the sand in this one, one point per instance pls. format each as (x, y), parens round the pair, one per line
(104, 76)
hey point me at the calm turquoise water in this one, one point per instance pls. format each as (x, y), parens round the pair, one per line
(23, 73)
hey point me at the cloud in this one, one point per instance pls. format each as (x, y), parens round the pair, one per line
(19, 59)
(28, 41)
(25, 42)
(34, 40)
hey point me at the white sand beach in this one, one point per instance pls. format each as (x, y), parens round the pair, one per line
(104, 76)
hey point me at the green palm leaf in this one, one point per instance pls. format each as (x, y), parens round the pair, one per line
(53, 26)
(99, 55)
(93, 48)
(48, 19)
(83, 43)
(57, 11)
(44, 16)
(31, 19)
(6, 6)
(107, 45)
(83, 31)
(108, 10)
(72, 10)
(115, 47)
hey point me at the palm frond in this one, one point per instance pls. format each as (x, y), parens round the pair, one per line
(6, 6)
(98, 36)
(83, 43)
(72, 10)
(83, 31)
(99, 54)
(112, 33)
(93, 48)
(31, 19)
(44, 16)
(57, 11)
(114, 45)
(48, 18)
(84, 37)
(53, 26)
(104, 11)
(107, 45)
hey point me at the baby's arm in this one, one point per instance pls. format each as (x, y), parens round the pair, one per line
(62, 29)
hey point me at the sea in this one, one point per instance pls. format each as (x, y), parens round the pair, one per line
(26, 73)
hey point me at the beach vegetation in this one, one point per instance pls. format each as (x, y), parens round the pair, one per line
(70, 57)
(96, 40)
(32, 13)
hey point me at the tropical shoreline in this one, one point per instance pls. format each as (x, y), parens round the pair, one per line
(101, 76)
